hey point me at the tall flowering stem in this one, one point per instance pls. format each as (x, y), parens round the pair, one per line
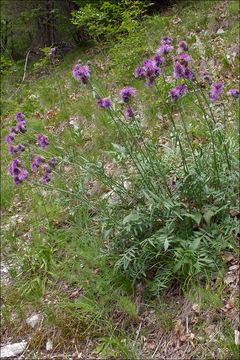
(185, 167)
(209, 126)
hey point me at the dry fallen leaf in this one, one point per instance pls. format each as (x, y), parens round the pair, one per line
(179, 328)
(196, 308)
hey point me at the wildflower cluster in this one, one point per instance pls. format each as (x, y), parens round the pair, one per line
(42, 140)
(19, 128)
(215, 91)
(82, 73)
(16, 164)
(178, 91)
(235, 93)
(151, 69)
(15, 171)
(104, 103)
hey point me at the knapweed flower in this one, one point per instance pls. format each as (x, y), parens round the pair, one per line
(234, 93)
(13, 168)
(21, 126)
(81, 73)
(215, 91)
(164, 49)
(46, 168)
(181, 72)
(139, 72)
(9, 138)
(12, 149)
(166, 40)
(20, 147)
(150, 70)
(183, 46)
(42, 140)
(36, 162)
(23, 174)
(182, 59)
(104, 103)
(158, 60)
(206, 77)
(129, 112)
(52, 162)
(179, 90)
(126, 93)
(18, 179)
(15, 149)
(46, 178)
(20, 117)
(14, 130)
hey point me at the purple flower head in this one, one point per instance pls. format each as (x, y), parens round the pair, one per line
(36, 162)
(151, 71)
(166, 40)
(14, 130)
(183, 45)
(158, 60)
(181, 72)
(215, 91)
(23, 174)
(16, 162)
(39, 159)
(104, 103)
(234, 93)
(21, 126)
(52, 162)
(42, 140)
(179, 90)
(46, 168)
(217, 88)
(126, 93)
(81, 73)
(182, 59)
(34, 165)
(206, 77)
(129, 112)
(12, 149)
(46, 178)
(9, 138)
(17, 181)
(189, 74)
(20, 147)
(20, 117)
(13, 168)
(148, 64)
(139, 72)
(178, 72)
(164, 49)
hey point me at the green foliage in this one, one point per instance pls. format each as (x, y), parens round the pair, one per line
(7, 66)
(109, 18)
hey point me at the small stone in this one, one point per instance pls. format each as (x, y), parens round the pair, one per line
(11, 350)
(220, 31)
(34, 320)
(49, 345)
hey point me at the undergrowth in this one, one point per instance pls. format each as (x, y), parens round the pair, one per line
(140, 197)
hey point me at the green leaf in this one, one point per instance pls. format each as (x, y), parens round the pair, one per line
(195, 244)
(166, 244)
(130, 217)
(196, 217)
(208, 215)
